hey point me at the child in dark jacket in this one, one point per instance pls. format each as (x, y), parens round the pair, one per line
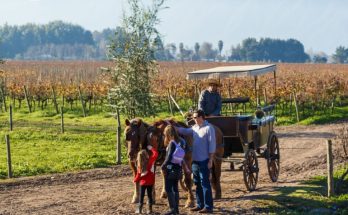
(146, 176)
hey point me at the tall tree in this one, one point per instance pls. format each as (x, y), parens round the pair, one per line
(220, 46)
(160, 52)
(181, 50)
(207, 52)
(196, 55)
(2, 76)
(135, 66)
(171, 51)
(341, 55)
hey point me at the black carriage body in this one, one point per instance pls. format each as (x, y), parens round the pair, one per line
(242, 132)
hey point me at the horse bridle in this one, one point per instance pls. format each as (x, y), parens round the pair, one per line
(134, 129)
(151, 131)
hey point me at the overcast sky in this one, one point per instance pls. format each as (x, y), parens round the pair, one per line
(321, 25)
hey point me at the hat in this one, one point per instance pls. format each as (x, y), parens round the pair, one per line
(213, 81)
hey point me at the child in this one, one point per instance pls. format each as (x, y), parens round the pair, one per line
(172, 167)
(146, 176)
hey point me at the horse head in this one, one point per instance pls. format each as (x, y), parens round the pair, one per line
(135, 133)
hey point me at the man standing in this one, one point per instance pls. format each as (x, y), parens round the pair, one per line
(203, 150)
(210, 99)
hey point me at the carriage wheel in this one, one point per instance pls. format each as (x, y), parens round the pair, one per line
(273, 157)
(250, 170)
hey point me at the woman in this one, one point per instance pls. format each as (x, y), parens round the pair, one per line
(171, 167)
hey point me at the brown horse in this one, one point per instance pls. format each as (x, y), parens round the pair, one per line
(138, 135)
(157, 130)
(216, 169)
(135, 133)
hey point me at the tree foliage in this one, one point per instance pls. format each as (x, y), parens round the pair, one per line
(207, 52)
(319, 59)
(135, 64)
(268, 49)
(18, 39)
(341, 55)
(220, 46)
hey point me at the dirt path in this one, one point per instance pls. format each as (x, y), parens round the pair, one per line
(109, 191)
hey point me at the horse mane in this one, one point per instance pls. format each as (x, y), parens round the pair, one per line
(171, 122)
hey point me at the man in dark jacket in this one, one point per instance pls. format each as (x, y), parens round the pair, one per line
(210, 99)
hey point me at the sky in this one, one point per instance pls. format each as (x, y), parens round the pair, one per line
(321, 25)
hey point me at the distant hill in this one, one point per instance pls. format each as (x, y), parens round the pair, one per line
(55, 40)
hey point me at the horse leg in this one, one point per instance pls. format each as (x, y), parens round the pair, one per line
(135, 198)
(216, 176)
(163, 193)
(154, 194)
(188, 183)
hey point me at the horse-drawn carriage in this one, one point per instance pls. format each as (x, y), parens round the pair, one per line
(246, 137)
(240, 138)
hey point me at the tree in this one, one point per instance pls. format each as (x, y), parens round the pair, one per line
(1, 61)
(268, 49)
(160, 52)
(196, 56)
(2, 76)
(171, 51)
(207, 52)
(341, 55)
(320, 57)
(135, 66)
(181, 51)
(220, 45)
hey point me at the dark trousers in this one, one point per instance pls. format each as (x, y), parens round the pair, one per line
(201, 173)
(148, 188)
(171, 187)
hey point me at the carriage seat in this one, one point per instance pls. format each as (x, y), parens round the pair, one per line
(264, 120)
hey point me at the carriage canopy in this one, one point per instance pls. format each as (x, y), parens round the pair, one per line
(231, 72)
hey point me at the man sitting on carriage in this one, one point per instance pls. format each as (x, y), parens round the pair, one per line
(210, 99)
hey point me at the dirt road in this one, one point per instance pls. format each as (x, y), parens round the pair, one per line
(109, 191)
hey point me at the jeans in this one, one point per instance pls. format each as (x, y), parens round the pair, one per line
(201, 175)
(171, 187)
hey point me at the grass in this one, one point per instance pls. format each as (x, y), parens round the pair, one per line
(320, 118)
(39, 147)
(339, 113)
